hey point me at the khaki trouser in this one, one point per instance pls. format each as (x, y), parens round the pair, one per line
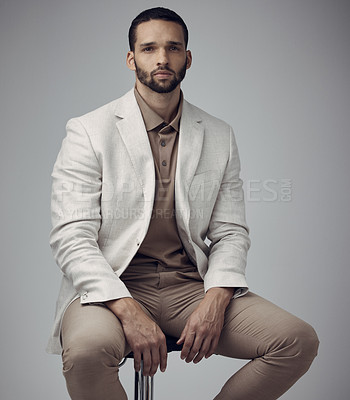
(281, 347)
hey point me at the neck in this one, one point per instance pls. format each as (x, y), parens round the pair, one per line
(164, 104)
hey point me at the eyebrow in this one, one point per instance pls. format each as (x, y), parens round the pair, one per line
(154, 43)
(175, 43)
(147, 44)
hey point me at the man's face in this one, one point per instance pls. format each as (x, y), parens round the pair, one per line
(160, 59)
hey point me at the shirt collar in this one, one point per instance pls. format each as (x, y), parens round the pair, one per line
(151, 119)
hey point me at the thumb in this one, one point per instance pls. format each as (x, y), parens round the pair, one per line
(182, 337)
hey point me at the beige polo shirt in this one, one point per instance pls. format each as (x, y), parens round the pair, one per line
(162, 243)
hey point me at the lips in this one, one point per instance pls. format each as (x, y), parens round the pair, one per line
(162, 73)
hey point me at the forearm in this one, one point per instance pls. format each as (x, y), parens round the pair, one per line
(125, 308)
(228, 231)
(221, 296)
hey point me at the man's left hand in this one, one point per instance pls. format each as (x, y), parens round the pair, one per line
(203, 328)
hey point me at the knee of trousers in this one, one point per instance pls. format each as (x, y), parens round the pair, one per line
(298, 345)
(90, 352)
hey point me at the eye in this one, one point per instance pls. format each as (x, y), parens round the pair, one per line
(147, 49)
(174, 48)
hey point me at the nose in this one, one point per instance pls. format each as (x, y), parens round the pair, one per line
(162, 57)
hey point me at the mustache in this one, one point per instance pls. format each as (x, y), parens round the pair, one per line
(165, 68)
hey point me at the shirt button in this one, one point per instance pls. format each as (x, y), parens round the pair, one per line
(164, 163)
(162, 143)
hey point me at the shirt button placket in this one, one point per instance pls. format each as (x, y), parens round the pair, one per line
(163, 144)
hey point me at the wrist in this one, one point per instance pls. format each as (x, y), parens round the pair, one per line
(223, 294)
(122, 308)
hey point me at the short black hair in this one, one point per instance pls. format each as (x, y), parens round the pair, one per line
(155, 13)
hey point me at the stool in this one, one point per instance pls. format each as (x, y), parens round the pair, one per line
(143, 385)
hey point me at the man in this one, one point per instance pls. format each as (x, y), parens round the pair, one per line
(138, 186)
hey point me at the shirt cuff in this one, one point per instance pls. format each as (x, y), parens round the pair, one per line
(240, 291)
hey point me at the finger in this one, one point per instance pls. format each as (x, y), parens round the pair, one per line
(203, 350)
(147, 362)
(182, 336)
(197, 344)
(186, 348)
(163, 351)
(155, 361)
(213, 346)
(137, 361)
(180, 340)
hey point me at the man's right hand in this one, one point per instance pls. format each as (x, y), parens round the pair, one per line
(146, 339)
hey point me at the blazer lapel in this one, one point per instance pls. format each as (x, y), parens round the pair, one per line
(190, 147)
(133, 132)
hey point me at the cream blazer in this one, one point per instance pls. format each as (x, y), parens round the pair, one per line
(102, 198)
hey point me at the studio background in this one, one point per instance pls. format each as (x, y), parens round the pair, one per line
(278, 72)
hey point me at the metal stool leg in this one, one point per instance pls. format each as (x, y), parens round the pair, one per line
(143, 386)
(136, 386)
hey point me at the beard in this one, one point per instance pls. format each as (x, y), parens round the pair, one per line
(162, 87)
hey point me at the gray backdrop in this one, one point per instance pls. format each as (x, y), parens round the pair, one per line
(278, 72)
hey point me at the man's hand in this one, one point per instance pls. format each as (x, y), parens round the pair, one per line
(143, 335)
(203, 328)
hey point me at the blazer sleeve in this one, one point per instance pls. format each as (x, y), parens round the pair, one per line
(76, 219)
(228, 231)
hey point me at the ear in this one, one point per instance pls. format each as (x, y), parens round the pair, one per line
(130, 60)
(189, 59)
